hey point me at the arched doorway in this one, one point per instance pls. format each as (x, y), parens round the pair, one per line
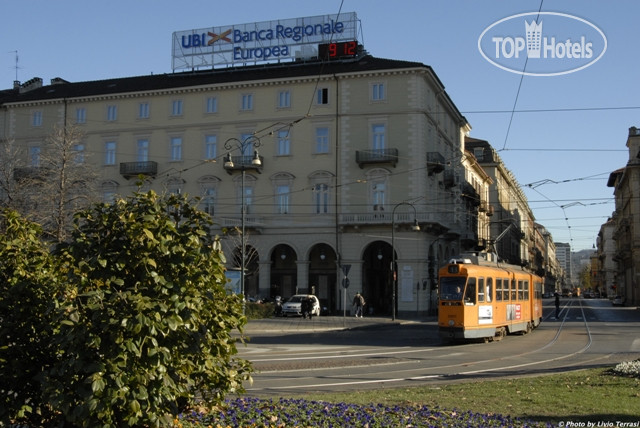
(322, 276)
(376, 278)
(284, 273)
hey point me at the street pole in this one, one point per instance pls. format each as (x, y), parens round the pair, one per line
(242, 145)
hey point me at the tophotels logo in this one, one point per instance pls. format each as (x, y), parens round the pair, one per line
(566, 45)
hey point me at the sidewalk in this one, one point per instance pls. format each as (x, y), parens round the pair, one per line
(323, 323)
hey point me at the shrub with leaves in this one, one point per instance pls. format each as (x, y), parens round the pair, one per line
(28, 288)
(148, 331)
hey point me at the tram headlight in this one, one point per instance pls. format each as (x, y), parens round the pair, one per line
(451, 323)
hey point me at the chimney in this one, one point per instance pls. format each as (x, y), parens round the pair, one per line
(30, 85)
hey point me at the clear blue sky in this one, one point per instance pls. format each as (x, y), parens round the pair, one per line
(571, 142)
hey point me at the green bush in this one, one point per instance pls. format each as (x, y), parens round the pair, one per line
(28, 287)
(141, 330)
(255, 311)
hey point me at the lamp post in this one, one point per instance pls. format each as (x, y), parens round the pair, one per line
(242, 145)
(394, 276)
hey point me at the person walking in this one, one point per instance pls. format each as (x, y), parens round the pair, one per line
(305, 307)
(358, 303)
(557, 305)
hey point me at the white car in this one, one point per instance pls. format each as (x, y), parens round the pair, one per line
(293, 306)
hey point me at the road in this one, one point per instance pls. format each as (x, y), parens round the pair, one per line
(321, 355)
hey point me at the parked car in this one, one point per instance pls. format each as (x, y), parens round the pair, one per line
(618, 301)
(293, 306)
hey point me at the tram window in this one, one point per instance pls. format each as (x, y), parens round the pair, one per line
(505, 290)
(526, 290)
(451, 287)
(498, 290)
(520, 290)
(489, 289)
(480, 290)
(470, 292)
(513, 290)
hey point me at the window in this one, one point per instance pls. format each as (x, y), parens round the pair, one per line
(112, 113)
(109, 189)
(176, 148)
(284, 99)
(378, 132)
(208, 200)
(480, 290)
(36, 118)
(498, 290)
(520, 290)
(208, 191)
(34, 156)
(176, 108)
(321, 198)
(322, 140)
(210, 146)
(282, 199)
(377, 92)
(110, 153)
(211, 105)
(247, 102)
(81, 115)
(489, 290)
(284, 143)
(248, 198)
(322, 96)
(378, 196)
(175, 185)
(478, 152)
(78, 153)
(143, 111)
(470, 292)
(142, 153)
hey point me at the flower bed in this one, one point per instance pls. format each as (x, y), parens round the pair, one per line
(255, 412)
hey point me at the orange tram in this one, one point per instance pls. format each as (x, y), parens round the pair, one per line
(482, 299)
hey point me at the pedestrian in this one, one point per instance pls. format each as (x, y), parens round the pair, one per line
(305, 307)
(358, 303)
(557, 305)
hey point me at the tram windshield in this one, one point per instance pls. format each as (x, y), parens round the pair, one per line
(451, 288)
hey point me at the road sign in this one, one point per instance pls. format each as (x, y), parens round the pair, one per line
(345, 282)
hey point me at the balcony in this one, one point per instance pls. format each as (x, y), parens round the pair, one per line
(377, 156)
(435, 163)
(239, 163)
(133, 169)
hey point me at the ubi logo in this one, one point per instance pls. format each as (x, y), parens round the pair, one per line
(542, 44)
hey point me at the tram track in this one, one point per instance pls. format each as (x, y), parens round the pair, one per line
(353, 368)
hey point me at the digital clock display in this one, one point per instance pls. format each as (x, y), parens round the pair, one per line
(338, 50)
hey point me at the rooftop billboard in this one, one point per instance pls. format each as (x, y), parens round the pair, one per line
(267, 41)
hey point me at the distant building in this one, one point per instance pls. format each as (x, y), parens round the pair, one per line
(563, 254)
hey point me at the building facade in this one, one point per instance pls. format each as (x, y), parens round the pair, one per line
(348, 149)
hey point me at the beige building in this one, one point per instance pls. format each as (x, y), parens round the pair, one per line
(626, 189)
(511, 226)
(348, 150)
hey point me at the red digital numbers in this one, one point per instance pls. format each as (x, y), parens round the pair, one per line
(338, 50)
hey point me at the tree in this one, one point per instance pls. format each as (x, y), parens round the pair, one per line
(148, 328)
(48, 185)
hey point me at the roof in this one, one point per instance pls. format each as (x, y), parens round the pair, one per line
(60, 88)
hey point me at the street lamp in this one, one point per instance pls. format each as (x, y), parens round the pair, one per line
(242, 145)
(394, 276)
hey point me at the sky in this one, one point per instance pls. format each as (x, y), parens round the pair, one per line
(561, 135)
